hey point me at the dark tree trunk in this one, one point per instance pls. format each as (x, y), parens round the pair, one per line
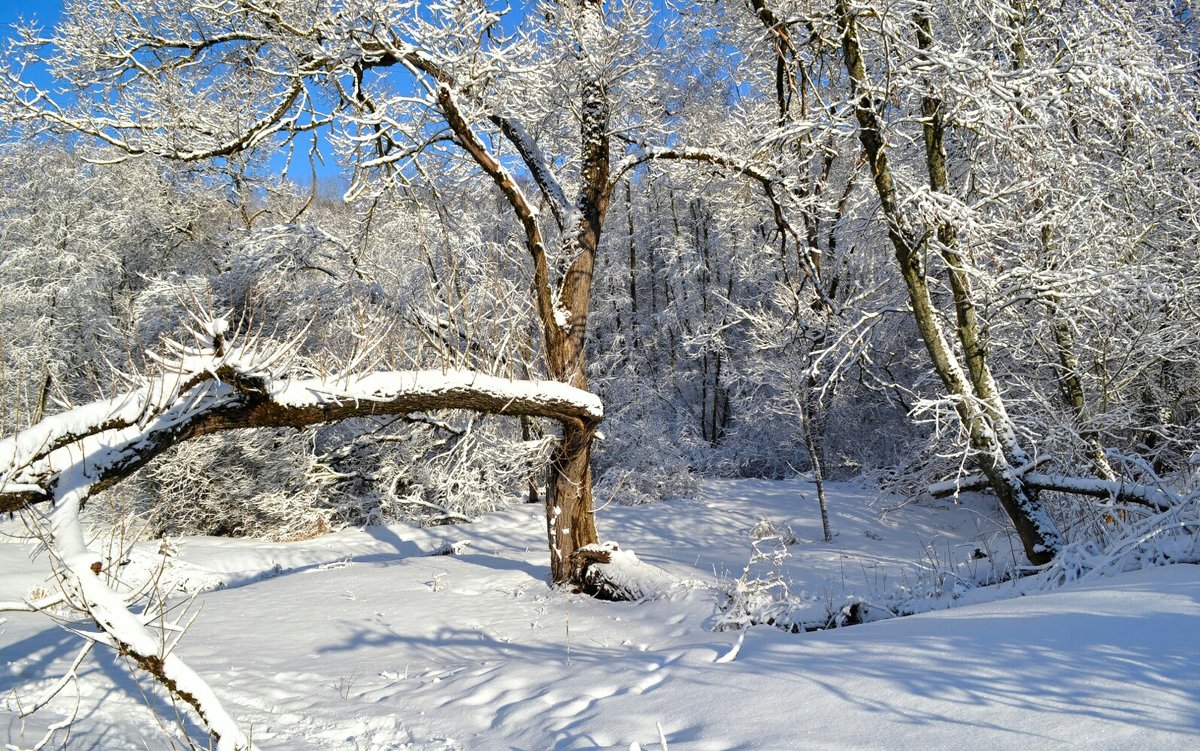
(570, 521)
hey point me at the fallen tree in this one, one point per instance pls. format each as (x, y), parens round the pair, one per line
(1119, 491)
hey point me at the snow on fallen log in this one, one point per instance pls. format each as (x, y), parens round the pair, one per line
(1119, 491)
(1124, 492)
(610, 573)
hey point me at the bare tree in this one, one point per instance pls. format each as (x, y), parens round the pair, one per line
(259, 74)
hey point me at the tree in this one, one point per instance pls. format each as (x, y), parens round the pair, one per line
(968, 375)
(961, 142)
(79, 243)
(258, 74)
(976, 397)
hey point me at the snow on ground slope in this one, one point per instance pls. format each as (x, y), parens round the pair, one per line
(359, 641)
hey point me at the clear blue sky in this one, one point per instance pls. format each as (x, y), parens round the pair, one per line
(45, 11)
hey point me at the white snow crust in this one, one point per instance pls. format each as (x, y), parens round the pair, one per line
(361, 640)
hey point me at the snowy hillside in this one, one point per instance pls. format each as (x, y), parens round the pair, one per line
(361, 640)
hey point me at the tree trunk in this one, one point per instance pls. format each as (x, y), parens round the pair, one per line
(562, 308)
(570, 521)
(635, 344)
(818, 468)
(1071, 384)
(531, 481)
(976, 400)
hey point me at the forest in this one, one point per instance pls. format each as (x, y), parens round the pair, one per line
(284, 270)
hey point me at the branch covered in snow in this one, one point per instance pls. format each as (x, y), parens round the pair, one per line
(69, 457)
(1119, 491)
(89, 448)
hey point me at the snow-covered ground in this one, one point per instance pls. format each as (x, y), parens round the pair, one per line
(360, 640)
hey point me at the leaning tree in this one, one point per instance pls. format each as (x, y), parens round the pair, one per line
(219, 383)
(1007, 111)
(404, 88)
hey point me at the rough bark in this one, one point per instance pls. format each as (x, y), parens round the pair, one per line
(570, 521)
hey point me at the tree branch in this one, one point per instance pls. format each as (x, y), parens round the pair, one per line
(102, 454)
(1119, 490)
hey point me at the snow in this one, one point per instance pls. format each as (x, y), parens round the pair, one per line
(217, 327)
(562, 316)
(625, 574)
(20, 449)
(383, 386)
(363, 640)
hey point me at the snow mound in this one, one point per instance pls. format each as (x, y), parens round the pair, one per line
(614, 574)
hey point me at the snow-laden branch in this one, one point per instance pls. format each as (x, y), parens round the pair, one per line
(69, 457)
(94, 446)
(79, 570)
(538, 164)
(703, 155)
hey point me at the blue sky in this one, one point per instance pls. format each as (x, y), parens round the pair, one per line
(43, 12)
(46, 12)
(12, 10)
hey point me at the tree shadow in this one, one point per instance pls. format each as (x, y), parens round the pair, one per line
(1136, 670)
(46, 654)
(498, 563)
(385, 534)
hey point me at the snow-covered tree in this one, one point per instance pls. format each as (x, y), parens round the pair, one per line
(404, 88)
